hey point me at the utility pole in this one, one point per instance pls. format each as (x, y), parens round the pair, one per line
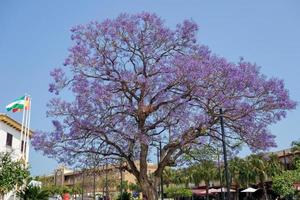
(158, 158)
(106, 183)
(220, 174)
(225, 154)
(73, 180)
(103, 185)
(82, 186)
(121, 184)
(94, 186)
(161, 176)
(285, 162)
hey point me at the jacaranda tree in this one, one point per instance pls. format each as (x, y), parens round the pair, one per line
(136, 82)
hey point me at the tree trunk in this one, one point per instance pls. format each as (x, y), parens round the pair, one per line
(207, 188)
(264, 190)
(148, 186)
(149, 191)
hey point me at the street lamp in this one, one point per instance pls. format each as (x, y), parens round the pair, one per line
(82, 186)
(121, 180)
(220, 174)
(159, 154)
(103, 185)
(106, 181)
(161, 176)
(225, 154)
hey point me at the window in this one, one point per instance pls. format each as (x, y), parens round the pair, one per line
(9, 139)
(22, 146)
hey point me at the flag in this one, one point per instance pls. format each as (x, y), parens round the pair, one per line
(27, 105)
(18, 104)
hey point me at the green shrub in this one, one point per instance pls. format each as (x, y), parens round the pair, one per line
(33, 193)
(283, 184)
(125, 196)
(173, 192)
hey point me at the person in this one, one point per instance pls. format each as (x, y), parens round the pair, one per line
(66, 196)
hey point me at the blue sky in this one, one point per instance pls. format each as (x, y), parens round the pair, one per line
(35, 36)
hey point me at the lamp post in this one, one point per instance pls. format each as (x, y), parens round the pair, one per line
(220, 174)
(82, 186)
(161, 176)
(103, 185)
(121, 180)
(106, 181)
(73, 182)
(161, 187)
(225, 154)
(94, 182)
(157, 156)
(284, 158)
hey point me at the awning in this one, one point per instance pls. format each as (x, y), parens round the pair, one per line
(224, 190)
(199, 191)
(202, 192)
(249, 190)
(213, 190)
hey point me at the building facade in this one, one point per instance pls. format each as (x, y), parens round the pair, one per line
(286, 157)
(104, 180)
(10, 142)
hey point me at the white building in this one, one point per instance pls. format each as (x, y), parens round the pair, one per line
(10, 141)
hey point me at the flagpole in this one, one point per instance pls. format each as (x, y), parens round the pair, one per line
(22, 130)
(28, 131)
(25, 136)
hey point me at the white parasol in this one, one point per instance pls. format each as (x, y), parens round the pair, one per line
(250, 190)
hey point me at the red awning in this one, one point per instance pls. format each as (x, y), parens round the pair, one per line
(201, 192)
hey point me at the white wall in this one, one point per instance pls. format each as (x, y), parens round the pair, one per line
(15, 148)
(16, 142)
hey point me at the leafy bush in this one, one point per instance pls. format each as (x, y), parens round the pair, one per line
(173, 192)
(33, 193)
(125, 196)
(283, 184)
(134, 187)
(12, 173)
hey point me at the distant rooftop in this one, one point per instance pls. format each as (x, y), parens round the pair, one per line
(285, 152)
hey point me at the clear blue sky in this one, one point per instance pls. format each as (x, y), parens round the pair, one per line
(35, 36)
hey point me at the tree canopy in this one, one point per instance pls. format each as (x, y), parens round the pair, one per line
(12, 173)
(135, 82)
